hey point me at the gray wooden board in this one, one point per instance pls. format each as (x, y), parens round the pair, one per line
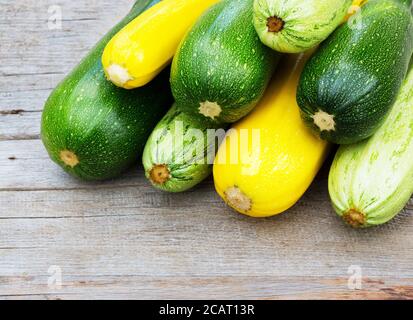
(122, 239)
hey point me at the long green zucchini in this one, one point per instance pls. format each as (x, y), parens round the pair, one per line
(370, 182)
(221, 69)
(350, 84)
(95, 130)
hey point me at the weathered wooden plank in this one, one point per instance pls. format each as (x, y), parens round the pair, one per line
(34, 58)
(25, 165)
(145, 232)
(141, 287)
(18, 124)
(152, 247)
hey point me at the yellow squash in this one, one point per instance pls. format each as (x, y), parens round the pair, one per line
(357, 4)
(269, 159)
(139, 52)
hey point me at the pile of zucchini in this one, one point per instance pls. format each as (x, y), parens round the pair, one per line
(182, 83)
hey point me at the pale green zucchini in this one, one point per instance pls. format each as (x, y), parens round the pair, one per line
(294, 26)
(371, 182)
(180, 152)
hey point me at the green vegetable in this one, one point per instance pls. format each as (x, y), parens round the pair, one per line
(349, 85)
(294, 26)
(221, 69)
(95, 130)
(370, 182)
(180, 152)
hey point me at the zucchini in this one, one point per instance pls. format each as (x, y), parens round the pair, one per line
(180, 152)
(133, 58)
(370, 182)
(350, 84)
(270, 173)
(221, 68)
(95, 130)
(297, 26)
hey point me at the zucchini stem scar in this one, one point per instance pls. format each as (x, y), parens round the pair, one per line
(210, 109)
(355, 218)
(324, 121)
(238, 200)
(69, 158)
(118, 75)
(160, 174)
(275, 24)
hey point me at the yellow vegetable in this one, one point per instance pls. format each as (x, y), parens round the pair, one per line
(142, 49)
(269, 159)
(357, 4)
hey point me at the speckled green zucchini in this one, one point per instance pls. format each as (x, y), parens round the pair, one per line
(222, 69)
(180, 152)
(95, 130)
(370, 182)
(294, 26)
(349, 85)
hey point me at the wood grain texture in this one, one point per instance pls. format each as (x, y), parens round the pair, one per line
(122, 239)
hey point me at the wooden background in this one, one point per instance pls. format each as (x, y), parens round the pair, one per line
(122, 239)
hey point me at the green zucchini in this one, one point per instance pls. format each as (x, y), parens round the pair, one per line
(221, 69)
(370, 182)
(348, 87)
(95, 130)
(180, 152)
(297, 26)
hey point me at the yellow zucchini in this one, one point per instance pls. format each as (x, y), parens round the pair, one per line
(357, 4)
(272, 171)
(143, 48)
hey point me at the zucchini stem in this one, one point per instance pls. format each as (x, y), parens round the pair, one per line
(238, 200)
(275, 24)
(160, 174)
(355, 218)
